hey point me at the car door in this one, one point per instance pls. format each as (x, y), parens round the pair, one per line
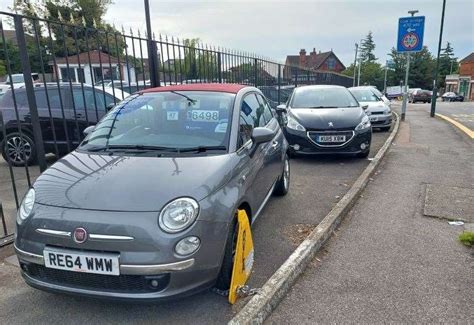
(48, 101)
(273, 155)
(251, 116)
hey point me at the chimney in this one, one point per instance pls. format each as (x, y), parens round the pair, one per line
(302, 57)
(312, 57)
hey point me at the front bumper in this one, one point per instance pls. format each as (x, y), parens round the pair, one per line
(380, 120)
(149, 256)
(301, 143)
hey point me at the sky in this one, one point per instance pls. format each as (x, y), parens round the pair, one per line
(278, 28)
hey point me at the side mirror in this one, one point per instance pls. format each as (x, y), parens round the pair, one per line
(109, 107)
(365, 107)
(280, 108)
(88, 130)
(262, 135)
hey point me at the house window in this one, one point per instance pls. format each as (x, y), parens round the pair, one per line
(68, 74)
(331, 63)
(80, 75)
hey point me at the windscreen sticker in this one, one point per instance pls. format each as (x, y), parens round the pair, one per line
(246, 108)
(221, 127)
(172, 115)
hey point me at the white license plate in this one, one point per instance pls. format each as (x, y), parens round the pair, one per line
(373, 118)
(87, 262)
(204, 116)
(332, 138)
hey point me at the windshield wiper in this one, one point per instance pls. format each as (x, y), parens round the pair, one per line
(131, 147)
(324, 107)
(193, 101)
(202, 148)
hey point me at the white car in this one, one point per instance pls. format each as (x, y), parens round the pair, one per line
(379, 112)
(17, 80)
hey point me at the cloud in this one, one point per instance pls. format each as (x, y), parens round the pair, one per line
(278, 28)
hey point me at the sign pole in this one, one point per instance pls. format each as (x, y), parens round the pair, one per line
(434, 96)
(355, 65)
(405, 90)
(358, 74)
(385, 78)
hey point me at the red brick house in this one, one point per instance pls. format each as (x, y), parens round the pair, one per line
(463, 83)
(322, 61)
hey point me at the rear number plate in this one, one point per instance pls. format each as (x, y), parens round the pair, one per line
(332, 138)
(86, 262)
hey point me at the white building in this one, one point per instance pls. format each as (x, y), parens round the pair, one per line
(92, 67)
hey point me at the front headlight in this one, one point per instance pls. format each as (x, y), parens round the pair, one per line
(294, 125)
(365, 124)
(26, 206)
(178, 215)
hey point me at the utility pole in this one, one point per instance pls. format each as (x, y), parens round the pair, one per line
(435, 80)
(385, 78)
(407, 71)
(358, 75)
(355, 65)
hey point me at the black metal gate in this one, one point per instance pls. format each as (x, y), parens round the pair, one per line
(62, 77)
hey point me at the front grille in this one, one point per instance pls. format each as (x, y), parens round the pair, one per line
(376, 113)
(314, 137)
(98, 282)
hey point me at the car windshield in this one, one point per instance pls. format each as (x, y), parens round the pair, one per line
(172, 120)
(325, 97)
(16, 78)
(364, 95)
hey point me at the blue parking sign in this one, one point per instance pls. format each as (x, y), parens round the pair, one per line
(410, 34)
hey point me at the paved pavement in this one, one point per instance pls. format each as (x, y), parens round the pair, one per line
(317, 184)
(388, 263)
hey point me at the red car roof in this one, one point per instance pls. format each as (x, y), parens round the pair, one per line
(223, 88)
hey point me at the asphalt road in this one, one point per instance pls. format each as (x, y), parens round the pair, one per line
(317, 183)
(463, 112)
(389, 263)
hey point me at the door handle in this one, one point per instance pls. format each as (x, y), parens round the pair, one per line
(275, 144)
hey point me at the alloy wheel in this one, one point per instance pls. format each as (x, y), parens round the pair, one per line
(18, 150)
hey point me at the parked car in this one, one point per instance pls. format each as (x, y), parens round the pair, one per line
(61, 121)
(17, 80)
(326, 120)
(145, 208)
(420, 95)
(379, 112)
(451, 96)
(379, 94)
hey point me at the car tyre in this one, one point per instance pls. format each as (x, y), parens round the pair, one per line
(13, 147)
(283, 184)
(225, 274)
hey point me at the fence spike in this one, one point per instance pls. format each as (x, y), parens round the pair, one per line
(139, 34)
(123, 30)
(131, 32)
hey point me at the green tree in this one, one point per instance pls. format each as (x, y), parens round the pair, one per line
(90, 33)
(10, 51)
(367, 48)
(421, 69)
(447, 64)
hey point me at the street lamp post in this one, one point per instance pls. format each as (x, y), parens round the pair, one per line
(407, 71)
(355, 65)
(358, 74)
(385, 78)
(435, 80)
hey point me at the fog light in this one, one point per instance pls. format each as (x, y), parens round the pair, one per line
(363, 146)
(154, 283)
(187, 246)
(296, 147)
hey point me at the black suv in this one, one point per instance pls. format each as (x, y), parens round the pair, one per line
(64, 113)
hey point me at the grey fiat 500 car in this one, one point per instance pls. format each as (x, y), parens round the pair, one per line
(145, 207)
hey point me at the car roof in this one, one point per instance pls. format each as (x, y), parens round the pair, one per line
(320, 86)
(216, 87)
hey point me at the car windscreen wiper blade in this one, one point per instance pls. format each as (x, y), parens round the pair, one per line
(131, 147)
(202, 149)
(324, 107)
